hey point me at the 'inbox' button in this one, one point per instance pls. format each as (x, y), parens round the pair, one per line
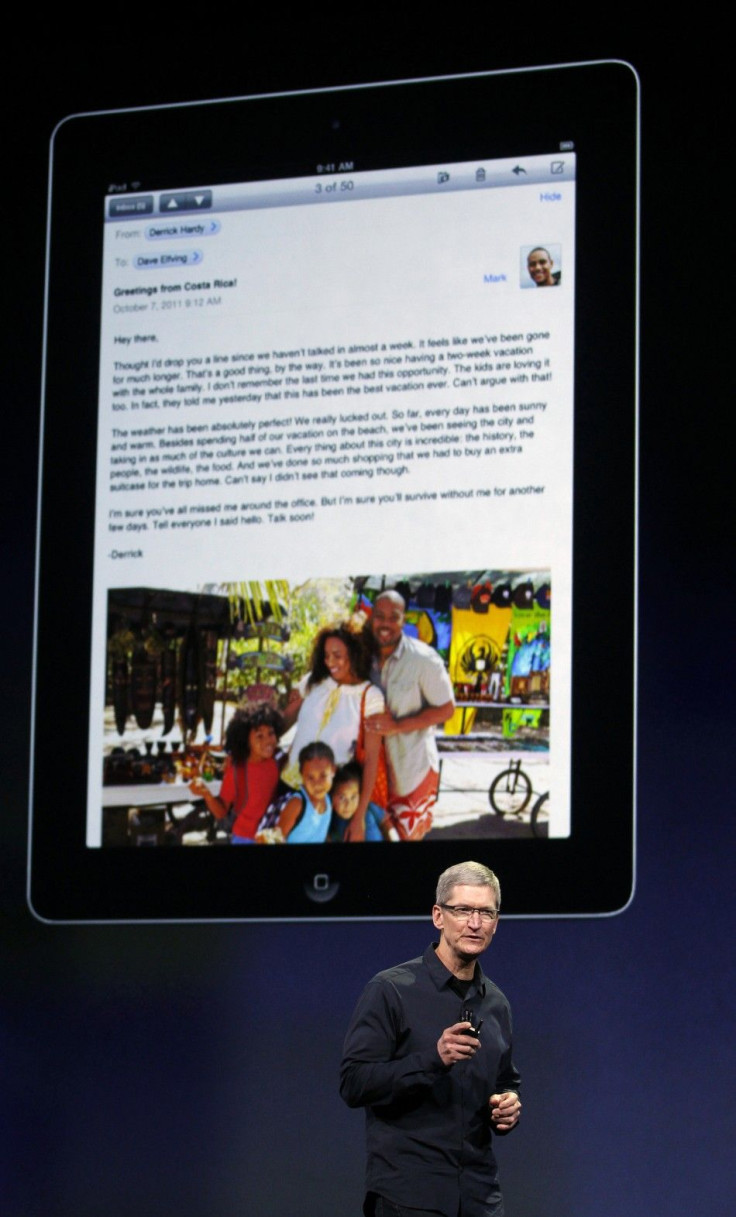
(140, 206)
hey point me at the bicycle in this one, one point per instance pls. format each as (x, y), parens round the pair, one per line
(540, 816)
(510, 791)
(509, 794)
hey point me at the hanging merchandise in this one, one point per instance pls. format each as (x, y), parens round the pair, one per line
(477, 647)
(188, 682)
(502, 595)
(120, 692)
(523, 595)
(462, 596)
(443, 598)
(418, 624)
(529, 655)
(120, 643)
(425, 597)
(143, 673)
(544, 596)
(168, 679)
(480, 599)
(207, 659)
(512, 721)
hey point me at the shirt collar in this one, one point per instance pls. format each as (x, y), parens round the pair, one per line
(399, 649)
(441, 976)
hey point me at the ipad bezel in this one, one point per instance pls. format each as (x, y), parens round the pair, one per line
(521, 112)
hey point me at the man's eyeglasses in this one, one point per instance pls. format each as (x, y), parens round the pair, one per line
(464, 912)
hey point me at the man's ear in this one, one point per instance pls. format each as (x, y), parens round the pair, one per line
(437, 917)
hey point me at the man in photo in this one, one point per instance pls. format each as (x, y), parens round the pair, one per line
(540, 265)
(419, 699)
(428, 1053)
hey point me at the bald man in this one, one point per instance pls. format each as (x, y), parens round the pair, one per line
(418, 700)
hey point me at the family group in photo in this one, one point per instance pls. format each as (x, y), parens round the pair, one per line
(363, 762)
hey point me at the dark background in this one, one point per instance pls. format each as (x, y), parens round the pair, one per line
(192, 1069)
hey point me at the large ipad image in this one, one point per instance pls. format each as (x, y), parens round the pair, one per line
(354, 411)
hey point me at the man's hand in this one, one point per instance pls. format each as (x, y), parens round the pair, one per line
(383, 724)
(423, 720)
(456, 1045)
(505, 1110)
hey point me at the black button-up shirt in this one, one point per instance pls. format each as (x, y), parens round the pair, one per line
(428, 1125)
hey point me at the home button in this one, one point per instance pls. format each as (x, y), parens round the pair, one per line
(321, 888)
